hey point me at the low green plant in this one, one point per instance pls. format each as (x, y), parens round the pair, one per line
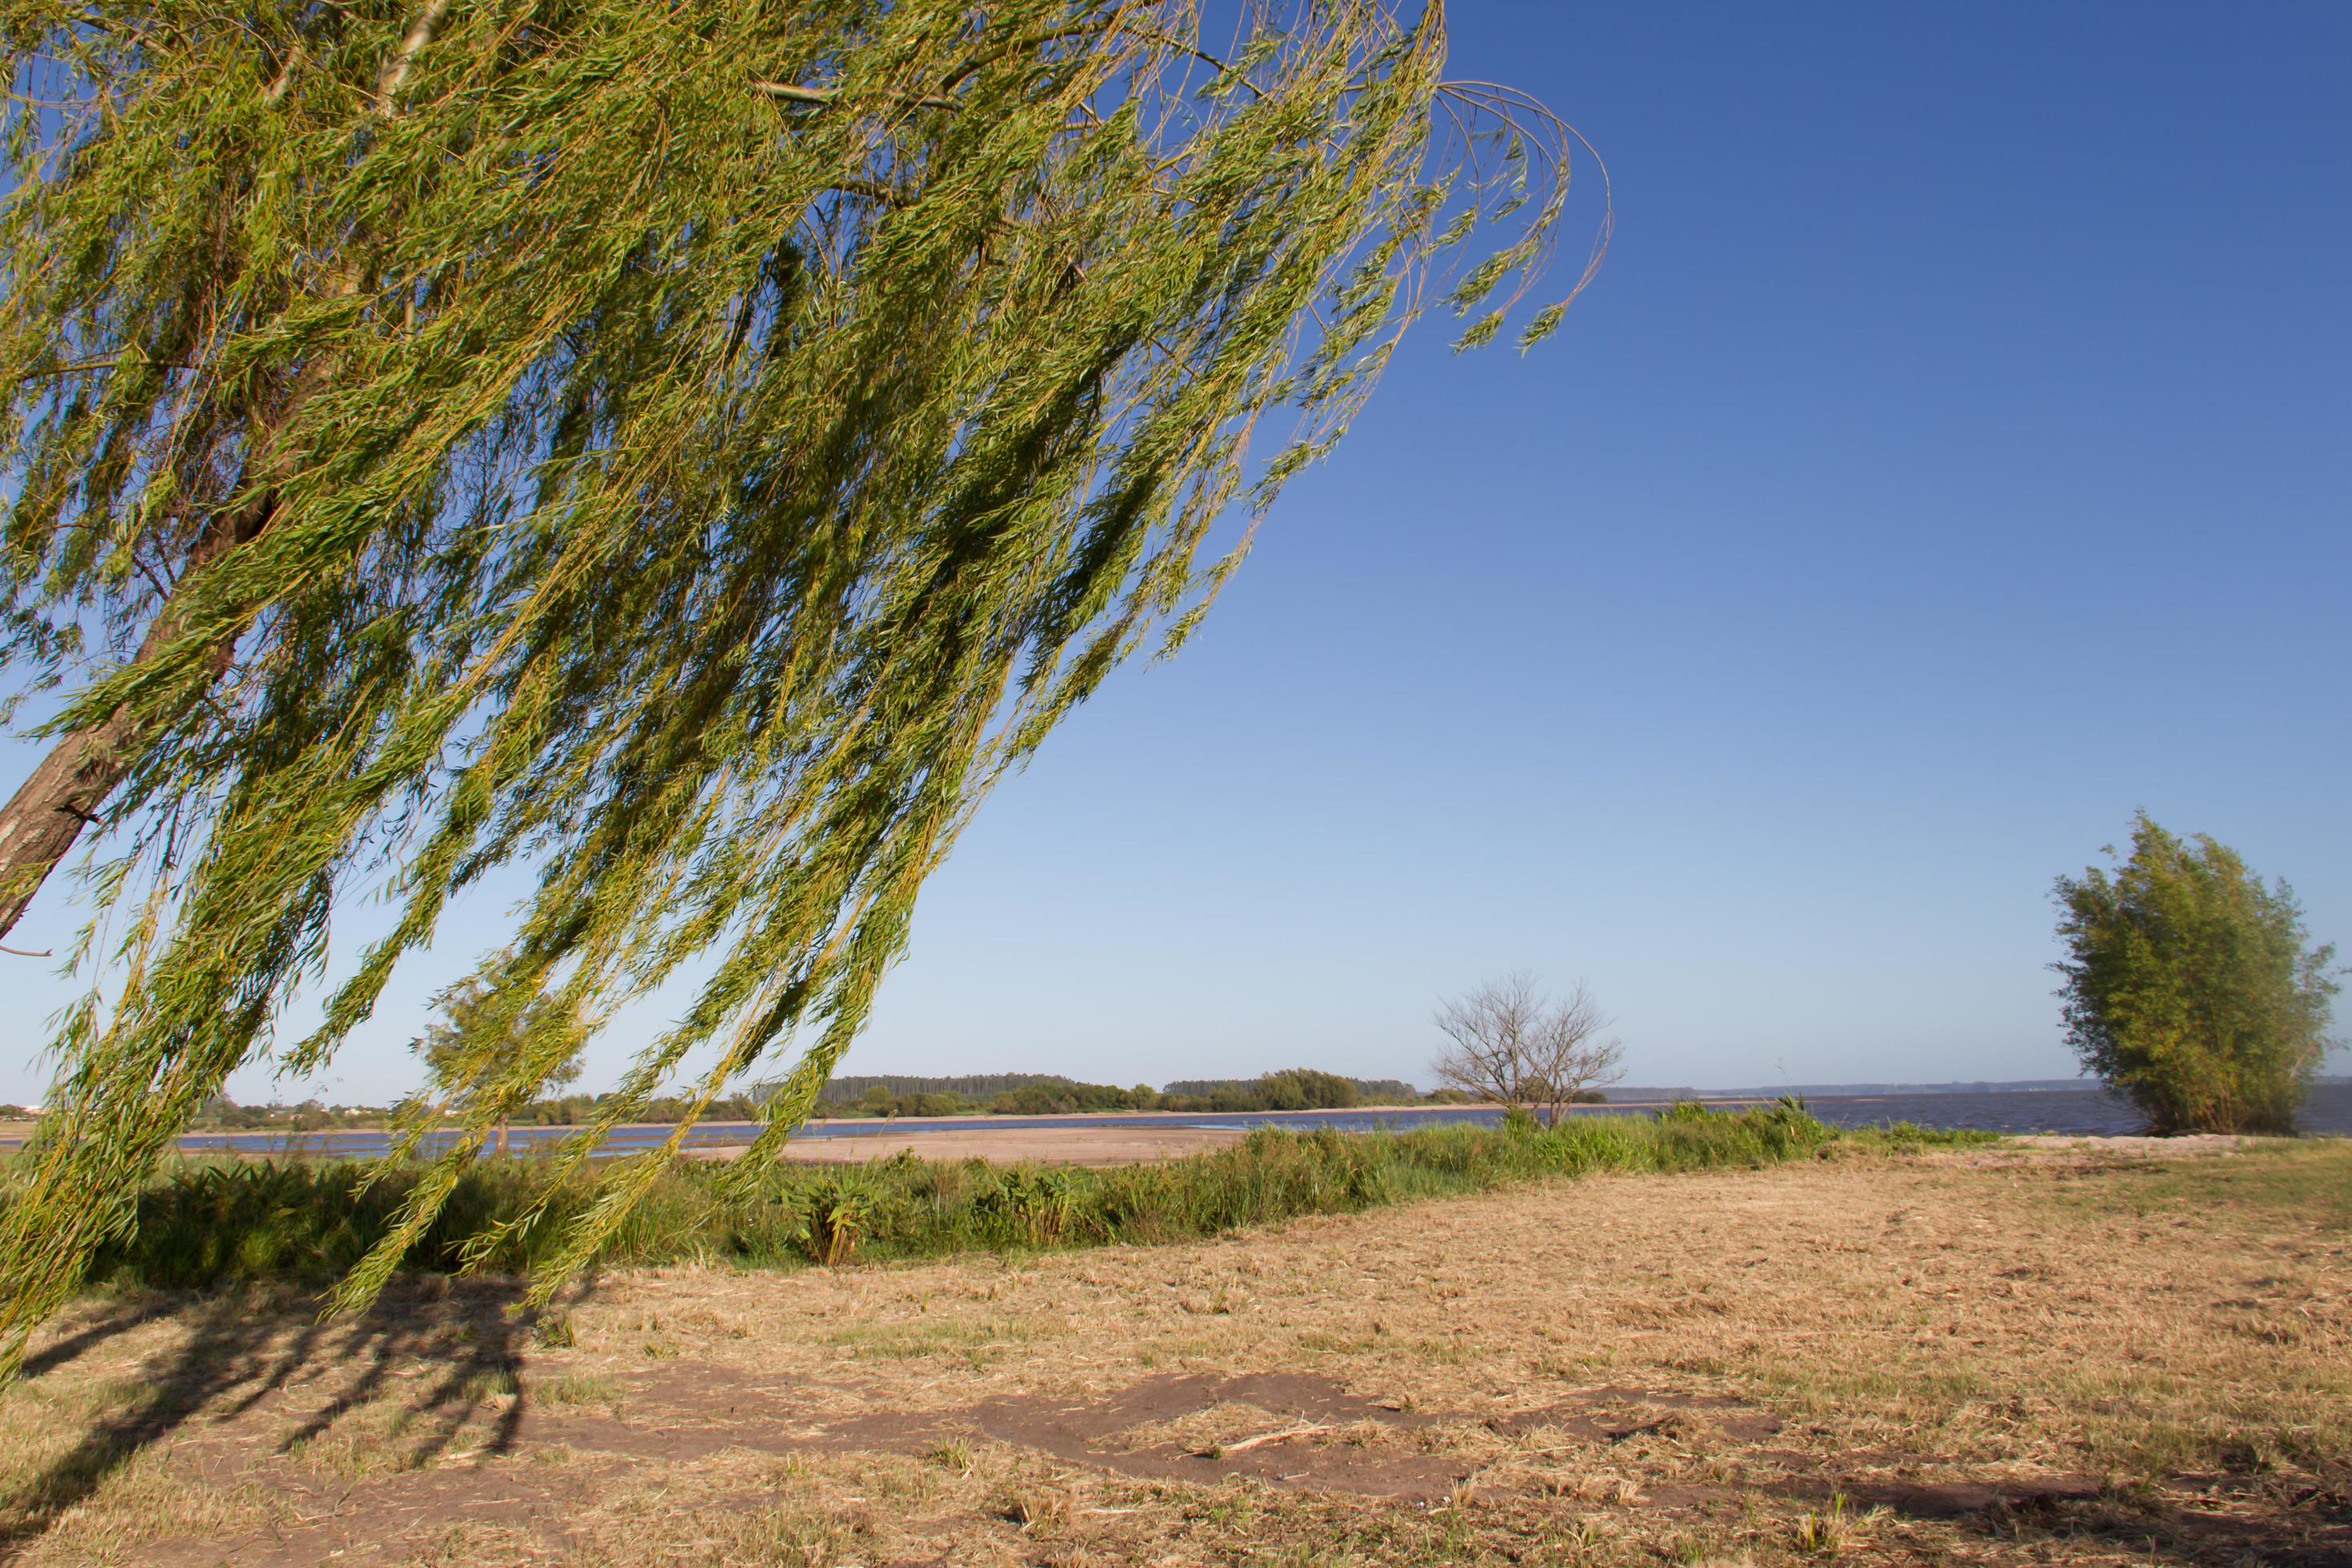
(840, 1212)
(1027, 1205)
(492, 1382)
(1910, 1137)
(208, 1223)
(575, 1388)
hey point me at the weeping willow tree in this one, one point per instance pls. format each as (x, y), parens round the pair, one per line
(690, 450)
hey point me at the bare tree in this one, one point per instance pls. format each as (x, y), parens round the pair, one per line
(1571, 1053)
(1514, 1046)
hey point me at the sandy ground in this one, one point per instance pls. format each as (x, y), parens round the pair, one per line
(2044, 1356)
(1054, 1145)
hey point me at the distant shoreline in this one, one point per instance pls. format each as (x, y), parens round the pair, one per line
(1265, 1111)
(1639, 1097)
(881, 1126)
(882, 1123)
(2331, 1112)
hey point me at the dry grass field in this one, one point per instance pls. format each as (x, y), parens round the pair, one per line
(2007, 1355)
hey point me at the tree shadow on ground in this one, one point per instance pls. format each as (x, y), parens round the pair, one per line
(238, 1349)
(2220, 1524)
(2222, 1528)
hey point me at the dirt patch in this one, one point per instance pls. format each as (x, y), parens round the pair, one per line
(1614, 1415)
(684, 1411)
(1283, 1428)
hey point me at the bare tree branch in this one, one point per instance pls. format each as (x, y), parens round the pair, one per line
(1568, 1054)
(1513, 1047)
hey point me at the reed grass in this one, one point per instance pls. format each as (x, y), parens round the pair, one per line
(210, 1222)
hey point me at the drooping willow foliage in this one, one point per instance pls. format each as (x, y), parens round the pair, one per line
(689, 449)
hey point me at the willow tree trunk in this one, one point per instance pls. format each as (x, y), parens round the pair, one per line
(46, 814)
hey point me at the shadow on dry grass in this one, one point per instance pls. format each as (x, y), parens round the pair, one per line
(441, 1356)
(2225, 1528)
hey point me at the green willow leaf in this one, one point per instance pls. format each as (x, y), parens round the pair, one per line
(690, 450)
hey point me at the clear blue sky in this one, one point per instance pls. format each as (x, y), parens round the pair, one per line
(1955, 454)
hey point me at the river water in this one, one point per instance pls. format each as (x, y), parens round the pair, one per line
(2075, 1110)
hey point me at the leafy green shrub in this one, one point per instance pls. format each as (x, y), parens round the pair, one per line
(840, 1212)
(1025, 1206)
(2188, 986)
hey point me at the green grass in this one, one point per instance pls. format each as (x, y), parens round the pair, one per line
(576, 1388)
(206, 1224)
(2299, 1184)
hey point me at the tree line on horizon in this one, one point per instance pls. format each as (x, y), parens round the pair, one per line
(1048, 1094)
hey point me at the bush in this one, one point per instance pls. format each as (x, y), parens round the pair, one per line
(2189, 987)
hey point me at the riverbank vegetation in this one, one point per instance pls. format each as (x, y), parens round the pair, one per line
(206, 1223)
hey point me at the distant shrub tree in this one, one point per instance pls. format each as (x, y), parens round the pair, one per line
(1305, 1089)
(1514, 1046)
(1292, 1089)
(483, 1020)
(2189, 988)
